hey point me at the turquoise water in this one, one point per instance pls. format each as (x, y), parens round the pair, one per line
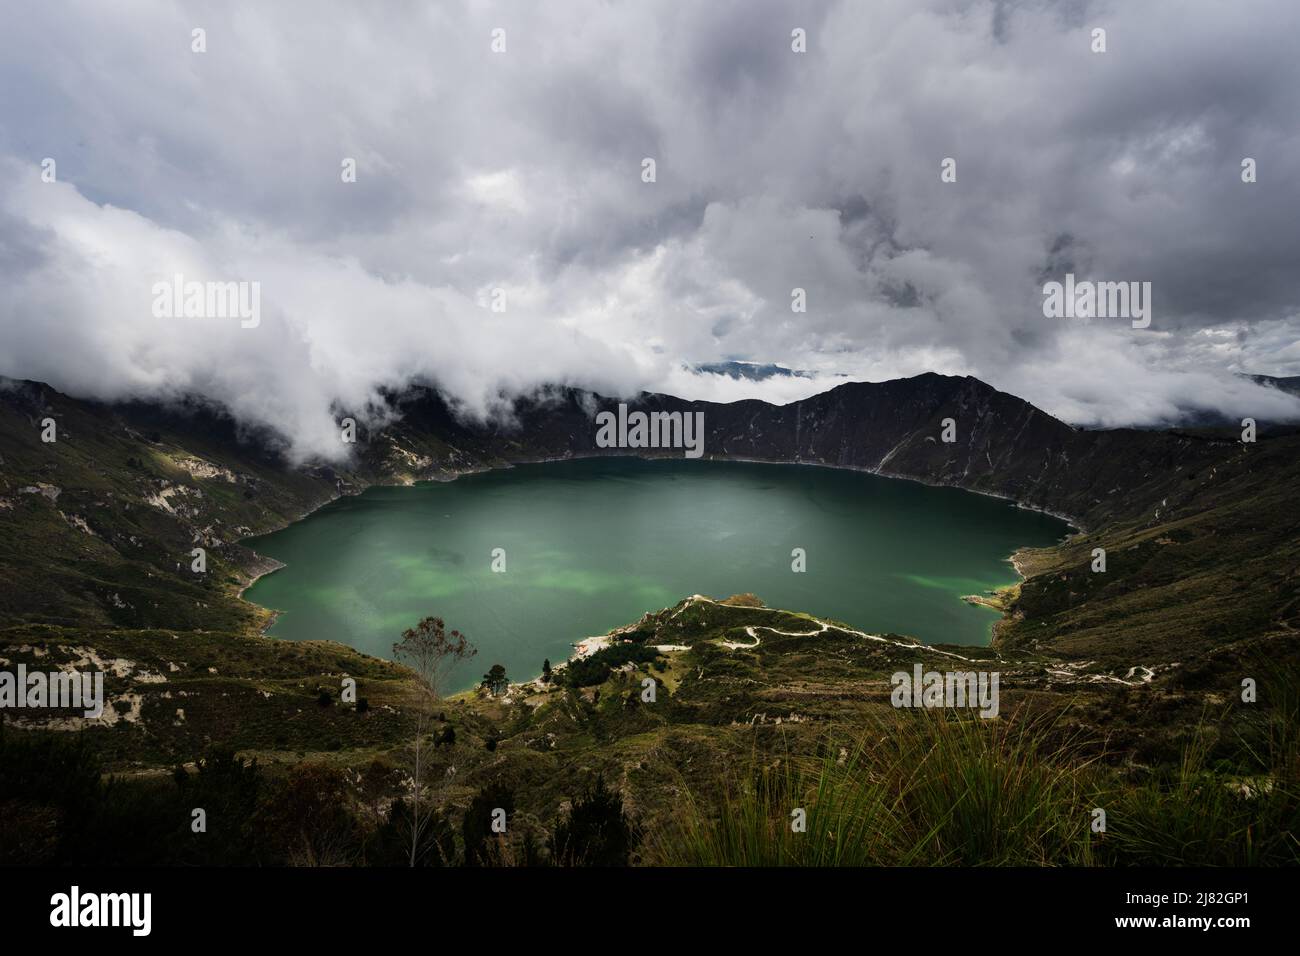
(593, 544)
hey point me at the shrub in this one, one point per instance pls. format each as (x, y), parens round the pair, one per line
(482, 846)
(596, 669)
(310, 818)
(391, 843)
(596, 832)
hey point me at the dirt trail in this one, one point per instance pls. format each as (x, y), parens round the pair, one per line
(1068, 672)
(750, 630)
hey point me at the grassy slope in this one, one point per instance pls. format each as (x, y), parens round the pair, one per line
(1209, 570)
(726, 719)
(115, 588)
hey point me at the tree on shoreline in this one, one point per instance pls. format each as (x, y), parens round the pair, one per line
(495, 680)
(431, 653)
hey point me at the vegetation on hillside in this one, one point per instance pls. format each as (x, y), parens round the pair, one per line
(1122, 690)
(918, 788)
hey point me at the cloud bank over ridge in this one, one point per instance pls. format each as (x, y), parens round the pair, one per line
(517, 177)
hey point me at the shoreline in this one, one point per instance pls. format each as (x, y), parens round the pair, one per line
(582, 647)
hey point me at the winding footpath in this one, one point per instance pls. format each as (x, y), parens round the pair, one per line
(1136, 676)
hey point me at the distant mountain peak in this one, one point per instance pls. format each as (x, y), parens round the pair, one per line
(753, 371)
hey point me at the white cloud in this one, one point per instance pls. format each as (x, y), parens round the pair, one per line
(776, 170)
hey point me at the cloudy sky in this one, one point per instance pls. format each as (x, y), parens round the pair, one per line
(522, 171)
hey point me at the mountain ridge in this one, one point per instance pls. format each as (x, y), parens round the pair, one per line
(129, 489)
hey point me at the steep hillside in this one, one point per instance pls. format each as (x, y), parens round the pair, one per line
(746, 696)
(1003, 445)
(99, 526)
(1130, 669)
(1206, 572)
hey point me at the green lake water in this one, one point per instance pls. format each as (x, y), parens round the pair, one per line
(593, 544)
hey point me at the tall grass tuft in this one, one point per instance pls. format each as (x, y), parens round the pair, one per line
(1000, 792)
(1197, 815)
(920, 788)
(936, 788)
(849, 818)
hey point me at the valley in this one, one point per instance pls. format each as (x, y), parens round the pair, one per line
(1132, 666)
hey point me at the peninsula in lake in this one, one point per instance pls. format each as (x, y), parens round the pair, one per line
(666, 555)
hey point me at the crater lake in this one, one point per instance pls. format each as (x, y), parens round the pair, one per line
(592, 544)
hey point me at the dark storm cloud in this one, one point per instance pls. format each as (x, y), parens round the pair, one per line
(519, 174)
